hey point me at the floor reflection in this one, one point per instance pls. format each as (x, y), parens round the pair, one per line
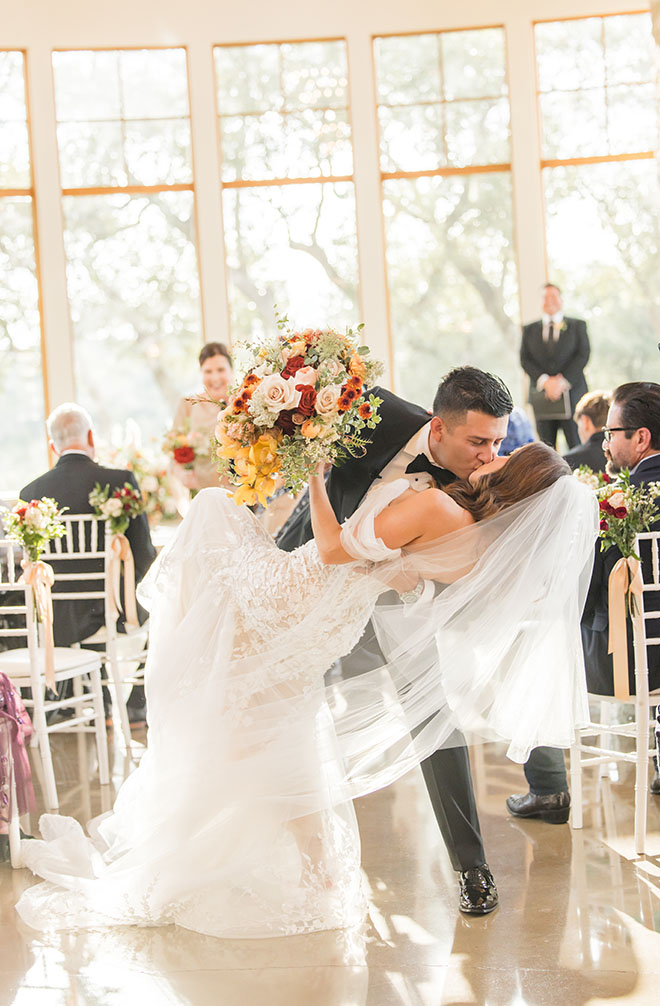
(579, 921)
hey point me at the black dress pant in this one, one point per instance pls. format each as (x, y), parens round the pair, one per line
(548, 429)
(446, 773)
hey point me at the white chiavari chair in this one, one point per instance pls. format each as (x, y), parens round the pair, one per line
(25, 666)
(638, 730)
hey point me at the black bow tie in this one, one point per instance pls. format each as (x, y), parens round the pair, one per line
(422, 464)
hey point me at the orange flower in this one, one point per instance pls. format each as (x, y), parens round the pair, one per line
(364, 411)
(356, 366)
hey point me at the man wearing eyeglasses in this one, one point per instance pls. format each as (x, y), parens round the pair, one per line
(631, 440)
(554, 353)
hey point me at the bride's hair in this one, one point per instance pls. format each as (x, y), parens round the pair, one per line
(527, 471)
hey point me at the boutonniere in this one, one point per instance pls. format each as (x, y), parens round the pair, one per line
(563, 326)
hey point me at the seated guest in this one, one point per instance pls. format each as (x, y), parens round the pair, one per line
(69, 483)
(590, 416)
(631, 440)
(519, 431)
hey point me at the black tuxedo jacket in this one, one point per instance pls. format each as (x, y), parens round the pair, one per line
(567, 355)
(595, 618)
(69, 483)
(348, 482)
(590, 454)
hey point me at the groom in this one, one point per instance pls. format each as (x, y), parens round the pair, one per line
(469, 422)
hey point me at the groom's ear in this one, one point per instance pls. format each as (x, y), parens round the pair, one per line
(438, 428)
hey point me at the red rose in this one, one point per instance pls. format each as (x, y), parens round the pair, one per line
(21, 512)
(606, 477)
(620, 512)
(604, 526)
(285, 421)
(605, 506)
(307, 399)
(184, 455)
(293, 365)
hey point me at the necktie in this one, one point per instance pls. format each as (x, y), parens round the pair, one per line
(422, 464)
(551, 332)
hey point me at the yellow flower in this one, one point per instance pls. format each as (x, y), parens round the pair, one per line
(297, 348)
(245, 495)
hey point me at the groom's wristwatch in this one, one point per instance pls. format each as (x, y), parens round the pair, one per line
(410, 596)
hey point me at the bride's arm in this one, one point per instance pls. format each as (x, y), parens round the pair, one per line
(396, 526)
(326, 527)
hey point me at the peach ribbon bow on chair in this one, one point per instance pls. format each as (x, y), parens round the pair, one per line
(40, 576)
(624, 587)
(119, 551)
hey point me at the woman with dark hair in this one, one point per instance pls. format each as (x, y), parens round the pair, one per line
(198, 414)
(239, 821)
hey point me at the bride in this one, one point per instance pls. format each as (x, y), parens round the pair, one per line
(239, 820)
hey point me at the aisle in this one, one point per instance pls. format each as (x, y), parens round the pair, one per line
(578, 922)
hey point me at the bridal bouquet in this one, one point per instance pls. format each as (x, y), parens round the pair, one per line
(33, 525)
(301, 401)
(186, 446)
(117, 508)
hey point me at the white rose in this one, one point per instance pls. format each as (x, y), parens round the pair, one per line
(35, 519)
(150, 484)
(306, 375)
(112, 508)
(326, 400)
(334, 367)
(278, 393)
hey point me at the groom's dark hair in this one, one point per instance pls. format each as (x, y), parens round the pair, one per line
(468, 388)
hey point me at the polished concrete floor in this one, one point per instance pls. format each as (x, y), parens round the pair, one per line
(578, 923)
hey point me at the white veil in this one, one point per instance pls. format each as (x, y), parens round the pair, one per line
(239, 819)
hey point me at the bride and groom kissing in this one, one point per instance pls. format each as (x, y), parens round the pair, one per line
(239, 819)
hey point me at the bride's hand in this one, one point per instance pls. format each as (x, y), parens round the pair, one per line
(323, 467)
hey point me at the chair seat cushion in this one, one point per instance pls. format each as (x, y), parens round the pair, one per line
(68, 662)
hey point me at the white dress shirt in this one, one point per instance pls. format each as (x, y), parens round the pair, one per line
(396, 468)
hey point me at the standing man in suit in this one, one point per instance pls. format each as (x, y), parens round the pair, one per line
(632, 440)
(69, 483)
(469, 422)
(554, 353)
(590, 418)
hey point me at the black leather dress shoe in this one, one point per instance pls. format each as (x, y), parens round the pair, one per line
(478, 893)
(655, 785)
(553, 808)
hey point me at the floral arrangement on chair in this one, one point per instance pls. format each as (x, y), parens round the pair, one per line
(34, 524)
(625, 510)
(150, 469)
(300, 401)
(117, 508)
(185, 446)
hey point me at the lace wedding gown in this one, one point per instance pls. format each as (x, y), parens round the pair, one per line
(238, 821)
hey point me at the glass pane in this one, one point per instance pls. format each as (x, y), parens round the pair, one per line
(24, 453)
(629, 48)
(632, 118)
(158, 153)
(14, 156)
(12, 87)
(478, 132)
(570, 54)
(134, 294)
(412, 138)
(297, 145)
(154, 84)
(91, 154)
(473, 63)
(86, 86)
(603, 230)
(292, 245)
(408, 69)
(248, 78)
(314, 74)
(452, 279)
(574, 125)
